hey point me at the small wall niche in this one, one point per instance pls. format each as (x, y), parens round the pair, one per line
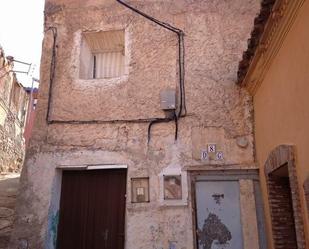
(102, 55)
(140, 189)
(173, 187)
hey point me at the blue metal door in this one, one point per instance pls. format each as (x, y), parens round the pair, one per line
(218, 215)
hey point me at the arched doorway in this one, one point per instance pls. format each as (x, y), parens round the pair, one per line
(284, 201)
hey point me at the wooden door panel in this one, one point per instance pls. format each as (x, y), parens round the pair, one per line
(74, 189)
(92, 210)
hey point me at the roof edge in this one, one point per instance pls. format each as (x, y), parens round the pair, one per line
(254, 41)
(266, 40)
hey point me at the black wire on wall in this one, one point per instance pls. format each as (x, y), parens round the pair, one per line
(52, 72)
(182, 106)
(181, 47)
(180, 34)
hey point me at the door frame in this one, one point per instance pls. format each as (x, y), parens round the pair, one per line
(54, 207)
(285, 155)
(227, 175)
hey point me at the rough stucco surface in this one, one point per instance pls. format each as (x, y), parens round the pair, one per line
(215, 36)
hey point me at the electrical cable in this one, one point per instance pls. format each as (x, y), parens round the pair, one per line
(81, 122)
(180, 35)
(52, 72)
(183, 77)
(176, 126)
(151, 121)
(162, 24)
(156, 121)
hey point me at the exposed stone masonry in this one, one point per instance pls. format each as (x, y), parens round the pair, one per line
(12, 148)
(13, 105)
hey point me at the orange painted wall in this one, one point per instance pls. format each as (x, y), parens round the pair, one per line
(282, 107)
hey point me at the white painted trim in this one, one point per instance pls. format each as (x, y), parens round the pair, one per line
(92, 167)
(184, 187)
(72, 167)
(105, 166)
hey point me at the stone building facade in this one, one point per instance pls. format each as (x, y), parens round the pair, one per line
(13, 109)
(112, 87)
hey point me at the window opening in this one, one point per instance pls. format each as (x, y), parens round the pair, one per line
(102, 55)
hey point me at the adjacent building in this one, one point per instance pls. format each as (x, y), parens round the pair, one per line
(33, 100)
(14, 103)
(13, 108)
(142, 138)
(275, 72)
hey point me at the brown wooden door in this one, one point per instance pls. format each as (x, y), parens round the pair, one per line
(92, 209)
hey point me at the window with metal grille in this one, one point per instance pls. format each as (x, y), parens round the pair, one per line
(102, 55)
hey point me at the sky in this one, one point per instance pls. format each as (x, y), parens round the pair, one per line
(21, 34)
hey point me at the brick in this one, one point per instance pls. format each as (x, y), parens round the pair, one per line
(284, 200)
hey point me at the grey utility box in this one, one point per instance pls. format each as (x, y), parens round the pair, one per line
(168, 99)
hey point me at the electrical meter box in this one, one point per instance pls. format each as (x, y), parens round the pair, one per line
(168, 99)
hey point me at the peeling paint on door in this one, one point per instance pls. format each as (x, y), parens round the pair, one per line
(214, 231)
(217, 198)
(218, 215)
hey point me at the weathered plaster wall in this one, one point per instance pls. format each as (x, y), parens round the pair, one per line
(281, 103)
(215, 36)
(13, 103)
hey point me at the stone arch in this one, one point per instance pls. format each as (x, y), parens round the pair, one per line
(284, 199)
